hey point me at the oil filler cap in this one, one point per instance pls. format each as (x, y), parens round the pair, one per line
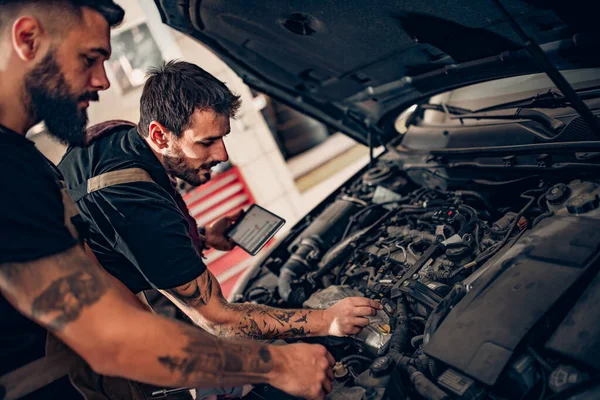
(583, 203)
(558, 193)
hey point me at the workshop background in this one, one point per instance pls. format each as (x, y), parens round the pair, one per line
(280, 159)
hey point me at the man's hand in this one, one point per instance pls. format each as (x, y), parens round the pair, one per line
(303, 370)
(348, 316)
(215, 234)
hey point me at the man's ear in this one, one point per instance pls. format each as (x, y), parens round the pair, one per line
(158, 134)
(27, 37)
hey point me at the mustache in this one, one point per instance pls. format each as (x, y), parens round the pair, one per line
(89, 96)
(209, 166)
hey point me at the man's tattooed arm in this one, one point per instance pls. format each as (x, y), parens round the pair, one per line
(197, 292)
(56, 289)
(261, 322)
(206, 358)
(75, 299)
(202, 300)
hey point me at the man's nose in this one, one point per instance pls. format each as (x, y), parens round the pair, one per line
(99, 79)
(221, 152)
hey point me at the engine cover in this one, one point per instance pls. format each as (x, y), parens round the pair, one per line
(577, 336)
(481, 333)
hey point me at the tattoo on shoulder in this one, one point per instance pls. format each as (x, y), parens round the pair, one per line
(196, 293)
(66, 297)
(59, 286)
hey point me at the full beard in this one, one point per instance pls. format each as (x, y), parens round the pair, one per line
(49, 99)
(176, 166)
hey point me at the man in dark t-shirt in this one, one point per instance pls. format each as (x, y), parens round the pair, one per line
(126, 216)
(52, 57)
(139, 234)
(32, 228)
(32, 222)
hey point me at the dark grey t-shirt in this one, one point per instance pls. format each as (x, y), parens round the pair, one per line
(136, 230)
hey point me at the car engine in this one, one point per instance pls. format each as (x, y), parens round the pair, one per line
(489, 290)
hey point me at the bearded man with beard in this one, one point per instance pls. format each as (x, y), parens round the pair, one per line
(141, 232)
(63, 316)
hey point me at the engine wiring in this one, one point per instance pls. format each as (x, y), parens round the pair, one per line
(419, 253)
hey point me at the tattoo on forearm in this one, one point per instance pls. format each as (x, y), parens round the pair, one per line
(262, 322)
(206, 359)
(197, 292)
(66, 297)
(302, 319)
(255, 321)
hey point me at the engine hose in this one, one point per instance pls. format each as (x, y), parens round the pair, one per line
(492, 250)
(540, 217)
(424, 386)
(339, 251)
(320, 234)
(441, 311)
(286, 276)
(470, 211)
(414, 342)
(356, 357)
(399, 340)
(335, 255)
(356, 216)
(294, 267)
(470, 193)
(467, 224)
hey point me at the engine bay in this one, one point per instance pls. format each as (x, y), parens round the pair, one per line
(488, 289)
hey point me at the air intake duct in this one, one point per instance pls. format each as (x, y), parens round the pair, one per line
(325, 230)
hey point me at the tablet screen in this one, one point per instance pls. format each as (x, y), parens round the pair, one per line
(255, 229)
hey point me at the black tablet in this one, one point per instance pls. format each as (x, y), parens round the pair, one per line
(254, 229)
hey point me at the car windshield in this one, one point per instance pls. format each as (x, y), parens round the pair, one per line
(500, 91)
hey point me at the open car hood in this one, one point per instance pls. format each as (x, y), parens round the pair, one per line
(355, 65)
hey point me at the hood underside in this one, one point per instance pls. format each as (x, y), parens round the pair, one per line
(355, 64)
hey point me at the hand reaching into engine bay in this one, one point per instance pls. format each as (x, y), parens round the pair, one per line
(303, 370)
(215, 234)
(349, 316)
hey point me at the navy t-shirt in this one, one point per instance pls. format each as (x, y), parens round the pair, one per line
(136, 230)
(32, 227)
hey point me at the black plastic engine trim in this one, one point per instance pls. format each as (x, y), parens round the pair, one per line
(480, 335)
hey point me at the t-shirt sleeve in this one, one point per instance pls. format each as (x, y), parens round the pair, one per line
(149, 230)
(32, 213)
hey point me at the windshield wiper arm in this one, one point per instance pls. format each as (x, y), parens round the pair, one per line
(547, 121)
(544, 63)
(442, 107)
(549, 99)
(445, 108)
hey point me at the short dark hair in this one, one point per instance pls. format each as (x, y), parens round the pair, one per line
(112, 12)
(175, 90)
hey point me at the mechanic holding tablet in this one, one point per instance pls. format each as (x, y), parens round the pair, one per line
(140, 230)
